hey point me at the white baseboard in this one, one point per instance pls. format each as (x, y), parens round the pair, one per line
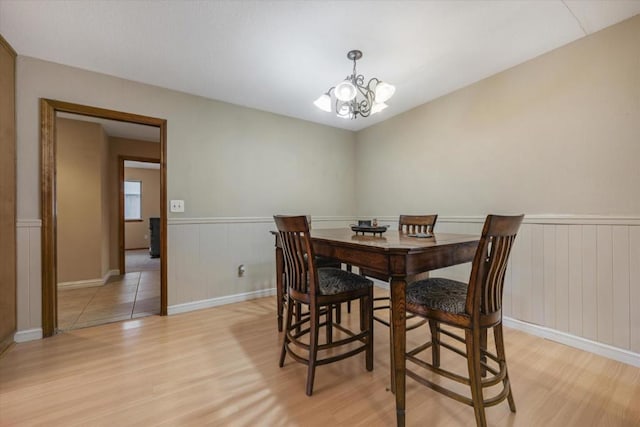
(214, 302)
(605, 350)
(80, 284)
(28, 335)
(88, 283)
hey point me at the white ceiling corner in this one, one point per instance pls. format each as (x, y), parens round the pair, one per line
(279, 56)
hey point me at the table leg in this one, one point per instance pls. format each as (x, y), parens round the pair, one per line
(398, 315)
(279, 285)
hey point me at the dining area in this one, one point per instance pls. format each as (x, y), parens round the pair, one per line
(312, 292)
(222, 365)
(357, 260)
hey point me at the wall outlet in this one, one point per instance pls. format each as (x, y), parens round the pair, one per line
(177, 206)
(146, 236)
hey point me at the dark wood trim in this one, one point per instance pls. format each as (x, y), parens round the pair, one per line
(48, 110)
(7, 46)
(133, 220)
(47, 206)
(6, 343)
(135, 249)
(163, 219)
(8, 197)
(121, 220)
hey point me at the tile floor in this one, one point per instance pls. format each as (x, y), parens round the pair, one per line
(134, 294)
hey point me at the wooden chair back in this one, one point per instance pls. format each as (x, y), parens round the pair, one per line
(417, 223)
(486, 284)
(300, 276)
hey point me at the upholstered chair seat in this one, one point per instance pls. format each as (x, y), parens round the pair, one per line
(334, 281)
(438, 294)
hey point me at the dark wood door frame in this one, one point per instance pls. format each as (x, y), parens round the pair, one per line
(121, 160)
(48, 110)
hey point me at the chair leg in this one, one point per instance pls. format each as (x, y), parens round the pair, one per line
(281, 308)
(338, 313)
(369, 351)
(435, 343)
(391, 356)
(329, 324)
(313, 347)
(298, 315)
(472, 339)
(483, 348)
(363, 318)
(287, 328)
(497, 333)
(349, 268)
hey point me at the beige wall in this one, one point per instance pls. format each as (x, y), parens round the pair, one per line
(557, 134)
(136, 233)
(223, 160)
(81, 149)
(123, 147)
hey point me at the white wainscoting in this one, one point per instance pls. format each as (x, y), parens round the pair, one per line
(29, 280)
(204, 255)
(577, 275)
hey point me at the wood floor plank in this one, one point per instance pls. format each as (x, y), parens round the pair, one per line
(219, 366)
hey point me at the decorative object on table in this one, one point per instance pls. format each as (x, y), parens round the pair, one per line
(368, 227)
(319, 290)
(474, 307)
(345, 94)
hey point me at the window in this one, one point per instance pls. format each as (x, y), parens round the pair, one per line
(132, 200)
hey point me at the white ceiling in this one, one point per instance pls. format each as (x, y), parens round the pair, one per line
(141, 165)
(279, 56)
(119, 129)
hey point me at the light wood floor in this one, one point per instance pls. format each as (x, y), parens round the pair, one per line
(220, 367)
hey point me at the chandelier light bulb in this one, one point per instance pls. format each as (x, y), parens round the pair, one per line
(345, 91)
(377, 107)
(344, 112)
(384, 91)
(323, 102)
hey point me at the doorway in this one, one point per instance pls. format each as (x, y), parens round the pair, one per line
(50, 221)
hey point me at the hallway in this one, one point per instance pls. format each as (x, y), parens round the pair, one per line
(132, 295)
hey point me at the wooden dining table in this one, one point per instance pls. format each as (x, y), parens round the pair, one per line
(398, 257)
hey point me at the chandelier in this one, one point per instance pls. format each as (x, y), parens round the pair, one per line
(351, 97)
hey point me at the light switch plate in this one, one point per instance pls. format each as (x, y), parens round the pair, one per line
(177, 206)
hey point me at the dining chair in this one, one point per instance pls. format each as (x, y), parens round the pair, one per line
(473, 307)
(320, 262)
(407, 224)
(319, 290)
